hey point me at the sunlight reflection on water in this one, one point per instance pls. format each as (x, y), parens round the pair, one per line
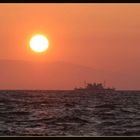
(69, 113)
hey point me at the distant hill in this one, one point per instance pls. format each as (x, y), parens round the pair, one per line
(18, 74)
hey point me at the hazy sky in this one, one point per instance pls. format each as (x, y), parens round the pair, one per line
(101, 36)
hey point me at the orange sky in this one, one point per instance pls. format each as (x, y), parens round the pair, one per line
(100, 36)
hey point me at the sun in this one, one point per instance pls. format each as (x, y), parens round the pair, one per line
(39, 43)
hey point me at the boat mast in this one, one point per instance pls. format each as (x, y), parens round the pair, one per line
(104, 83)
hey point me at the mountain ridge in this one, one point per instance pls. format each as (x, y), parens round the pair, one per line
(22, 74)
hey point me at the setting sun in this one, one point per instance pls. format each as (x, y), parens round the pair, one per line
(39, 43)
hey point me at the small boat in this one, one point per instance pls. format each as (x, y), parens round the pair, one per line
(96, 87)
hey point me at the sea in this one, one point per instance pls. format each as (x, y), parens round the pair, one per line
(69, 113)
